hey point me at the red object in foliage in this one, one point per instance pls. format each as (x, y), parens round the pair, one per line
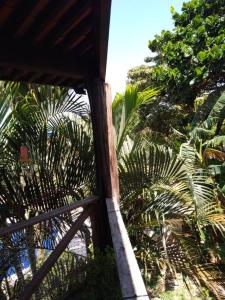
(24, 154)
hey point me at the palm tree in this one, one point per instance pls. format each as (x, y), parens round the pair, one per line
(48, 155)
(47, 163)
(169, 203)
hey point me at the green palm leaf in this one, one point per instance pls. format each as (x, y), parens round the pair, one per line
(124, 111)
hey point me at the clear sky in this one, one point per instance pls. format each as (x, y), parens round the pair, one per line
(133, 24)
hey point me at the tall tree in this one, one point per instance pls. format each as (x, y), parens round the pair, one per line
(190, 59)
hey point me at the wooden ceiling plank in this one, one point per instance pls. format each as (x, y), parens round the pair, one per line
(86, 43)
(58, 80)
(42, 68)
(63, 82)
(51, 77)
(65, 41)
(24, 27)
(87, 46)
(86, 49)
(59, 11)
(6, 10)
(77, 40)
(64, 30)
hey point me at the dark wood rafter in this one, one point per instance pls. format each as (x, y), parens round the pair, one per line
(46, 216)
(66, 40)
(102, 11)
(27, 22)
(79, 39)
(7, 9)
(53, 18)
(82, 13)
(7, 72)
(21, 75)
(85, 49)
(79, 49)
(32, 286)
(34, 77)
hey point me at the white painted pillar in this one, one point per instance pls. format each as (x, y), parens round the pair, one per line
(132, 284)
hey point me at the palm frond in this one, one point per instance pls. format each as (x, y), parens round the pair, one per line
(124, 111)
(213, 154)
(216, 142)
(48, 106)
(60, 165)
(189, 154)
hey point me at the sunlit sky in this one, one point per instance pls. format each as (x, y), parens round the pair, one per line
(133, 24)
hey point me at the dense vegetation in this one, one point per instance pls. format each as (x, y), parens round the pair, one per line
(185, 63)
(187, 116)
(170, 139)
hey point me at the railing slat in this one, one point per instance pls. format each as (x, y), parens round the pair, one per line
(32, 286)
(45, 216)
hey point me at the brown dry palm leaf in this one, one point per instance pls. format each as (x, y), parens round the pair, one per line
(210, 153)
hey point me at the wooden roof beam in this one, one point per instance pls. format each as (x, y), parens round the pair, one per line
(20, 75)
(52, 20)
(78, 40)
(39, 66)
(102, 16)
(81, 48)
(83, 12)
(6, 10)
(36, 61)
(24, 27)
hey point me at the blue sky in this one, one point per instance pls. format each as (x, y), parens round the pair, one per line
(133, 24)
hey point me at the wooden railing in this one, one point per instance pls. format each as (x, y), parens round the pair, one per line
(46, 216)
(131, 282)
(34, 284)
(86, 204)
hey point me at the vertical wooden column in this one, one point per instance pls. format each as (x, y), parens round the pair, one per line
(105, 156)
(107, 221)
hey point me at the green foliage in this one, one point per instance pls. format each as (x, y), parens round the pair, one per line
(50, 123)
(177, 224)
(190, 58)
(124, 111)
(169, 212)
(67, 275)
(101, 278)
(184, 294)
(162, 117)
(140, 76)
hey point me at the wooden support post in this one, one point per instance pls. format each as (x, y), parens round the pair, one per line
(105, 157)
(32, 286)
(131, 282)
